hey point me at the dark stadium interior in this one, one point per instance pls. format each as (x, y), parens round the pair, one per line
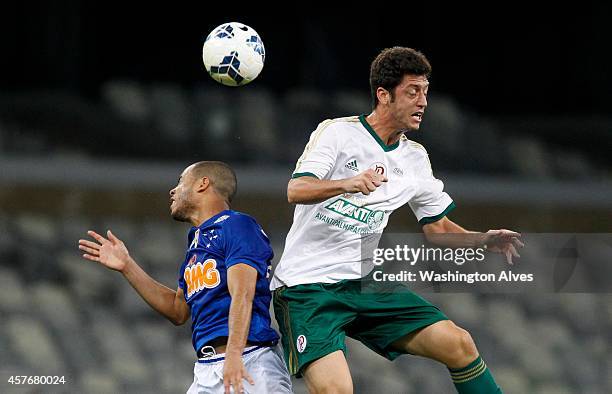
(102, 106)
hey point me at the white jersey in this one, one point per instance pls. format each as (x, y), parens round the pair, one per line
(326, 241)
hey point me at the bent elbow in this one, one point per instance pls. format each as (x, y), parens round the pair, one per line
(178, 321)
(290, 198)
(291, 194)
(431, 230)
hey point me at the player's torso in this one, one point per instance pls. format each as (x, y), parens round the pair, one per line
(358, 151)
(204, 272)
(329, 236)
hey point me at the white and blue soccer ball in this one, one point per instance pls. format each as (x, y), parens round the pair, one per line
(233, 54)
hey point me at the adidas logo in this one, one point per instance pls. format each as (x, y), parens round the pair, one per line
(352, 165)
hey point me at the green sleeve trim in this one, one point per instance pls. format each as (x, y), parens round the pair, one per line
(301, 174)
(432, 219)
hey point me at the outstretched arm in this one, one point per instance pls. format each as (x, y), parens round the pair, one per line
(311, 190)
(444, 232)
(112, 253)
(241, 282)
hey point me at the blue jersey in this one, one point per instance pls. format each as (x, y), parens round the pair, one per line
(222, 241)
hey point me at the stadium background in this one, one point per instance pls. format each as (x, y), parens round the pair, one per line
(102, 107)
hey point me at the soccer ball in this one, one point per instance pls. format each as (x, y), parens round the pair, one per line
(233, 54)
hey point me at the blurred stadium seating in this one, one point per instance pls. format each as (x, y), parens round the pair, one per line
(257, 126)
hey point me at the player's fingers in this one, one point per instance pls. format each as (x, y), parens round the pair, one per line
(89, 250)
(90, 244)
(508, 256)
(364, 189)
(97, 237)
(112, 237)
(247, 377)
(518, 243)
(377, 182)
(227, 384)
(238, 386)
(368, 175)
(514, 251)
(92, 258)
(371, 187)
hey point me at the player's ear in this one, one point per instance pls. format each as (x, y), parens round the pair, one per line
(383, 95)
(201, 184)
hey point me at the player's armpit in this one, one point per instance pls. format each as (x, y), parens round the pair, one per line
(181, 308)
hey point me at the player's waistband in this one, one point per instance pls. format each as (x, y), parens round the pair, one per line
(214, 347)
(215, 358)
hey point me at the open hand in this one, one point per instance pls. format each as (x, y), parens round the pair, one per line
(505, 242)
(110, 252)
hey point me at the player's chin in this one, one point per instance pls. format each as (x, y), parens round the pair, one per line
(177, 215)
(412, 127)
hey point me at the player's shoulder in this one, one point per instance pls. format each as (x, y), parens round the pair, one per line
(338, 123)
(242, 226)
(342, 121)
(413, 146)
(236, 219)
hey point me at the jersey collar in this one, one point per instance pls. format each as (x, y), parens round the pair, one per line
(386, 148)
(212, 219)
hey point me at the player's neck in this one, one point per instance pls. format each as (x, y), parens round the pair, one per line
(384, 126)
(207, 211)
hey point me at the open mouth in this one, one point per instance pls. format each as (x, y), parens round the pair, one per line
(418, 116)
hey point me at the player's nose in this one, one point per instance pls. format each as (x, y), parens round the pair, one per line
(422, 100)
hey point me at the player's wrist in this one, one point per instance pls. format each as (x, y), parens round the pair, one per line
(346, 185)
(233, 352)
(128, 266)
(481, 240)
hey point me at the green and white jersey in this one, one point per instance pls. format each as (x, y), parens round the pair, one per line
(325, 242)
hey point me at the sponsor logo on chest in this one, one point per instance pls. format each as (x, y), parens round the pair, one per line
(364, 215)
(201, 275)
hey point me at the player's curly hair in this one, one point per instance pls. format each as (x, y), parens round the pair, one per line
(390, 66)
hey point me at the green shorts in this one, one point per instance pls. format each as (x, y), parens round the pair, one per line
(315, 318)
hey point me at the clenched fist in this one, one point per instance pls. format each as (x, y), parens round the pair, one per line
(366, 182)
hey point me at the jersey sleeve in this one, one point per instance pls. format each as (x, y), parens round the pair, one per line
(430, 203)
(181, 279)
(246, 243)
(320, 153)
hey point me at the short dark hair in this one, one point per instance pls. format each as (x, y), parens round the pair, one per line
(390, 66)
(222, 177)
